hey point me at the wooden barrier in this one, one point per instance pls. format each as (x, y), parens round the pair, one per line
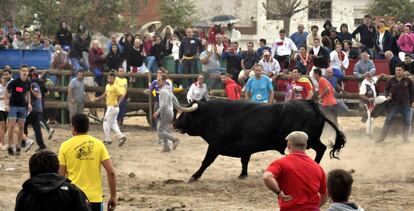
(147, 101)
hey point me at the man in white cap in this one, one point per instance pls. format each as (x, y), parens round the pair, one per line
(298, 181)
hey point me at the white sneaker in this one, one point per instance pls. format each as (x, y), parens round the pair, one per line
(29, 144)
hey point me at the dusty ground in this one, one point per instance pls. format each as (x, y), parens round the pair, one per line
(384, 178)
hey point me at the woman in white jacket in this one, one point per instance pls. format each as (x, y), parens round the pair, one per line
(339, 59)
(198, 91)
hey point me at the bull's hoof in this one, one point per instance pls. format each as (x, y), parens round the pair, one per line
(192, 179)
(242, 177)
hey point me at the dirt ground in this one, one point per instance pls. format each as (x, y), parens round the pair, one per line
(151, 180)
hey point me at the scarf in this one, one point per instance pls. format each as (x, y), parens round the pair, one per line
(304, 60)
(383, 29)
(341, 56)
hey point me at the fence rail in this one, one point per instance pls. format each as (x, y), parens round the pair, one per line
(146, 104)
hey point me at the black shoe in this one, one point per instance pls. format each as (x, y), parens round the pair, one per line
(122, 141)
(10, 150)
(17, 151)
(23, 144)
(51, 132)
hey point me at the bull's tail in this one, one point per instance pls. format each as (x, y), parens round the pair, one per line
(340, 139)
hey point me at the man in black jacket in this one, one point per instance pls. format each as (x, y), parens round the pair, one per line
(48, 191)
(367, 33)
(320, 58)
(189, 49)
(400, 94)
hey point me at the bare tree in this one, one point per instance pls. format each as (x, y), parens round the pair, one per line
(283, 10)
(8, 9)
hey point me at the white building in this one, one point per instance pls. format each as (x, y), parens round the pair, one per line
(253, 15)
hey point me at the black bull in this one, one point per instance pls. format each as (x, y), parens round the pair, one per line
(240, 128)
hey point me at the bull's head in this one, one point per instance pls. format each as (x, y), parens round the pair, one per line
(185, 122)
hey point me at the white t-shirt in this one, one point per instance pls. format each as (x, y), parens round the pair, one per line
(271, 66)
(213, 62)
(175, 49)
(2, 95)
(283, 47)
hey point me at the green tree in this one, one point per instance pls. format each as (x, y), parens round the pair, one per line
(283, 10)
(178, 13)
(401, 9)
(133, 8)
(98, 16)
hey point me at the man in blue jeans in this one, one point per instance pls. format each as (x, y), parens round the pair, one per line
(18, 97)
(399, 90)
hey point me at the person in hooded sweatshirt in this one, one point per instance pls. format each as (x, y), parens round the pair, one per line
(339, 187)
(232, 89)
(46, 190)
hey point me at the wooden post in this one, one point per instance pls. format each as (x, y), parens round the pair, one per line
(150, 106)
(62, 98)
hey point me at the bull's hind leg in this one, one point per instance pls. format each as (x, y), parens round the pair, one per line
(208, 160)
(245, 162)
(320, 149)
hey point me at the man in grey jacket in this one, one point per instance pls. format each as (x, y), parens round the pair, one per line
(165, 114)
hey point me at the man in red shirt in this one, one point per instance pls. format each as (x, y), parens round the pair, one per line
(298, 181)
(301, 87)
(232, 89)
(326, 95)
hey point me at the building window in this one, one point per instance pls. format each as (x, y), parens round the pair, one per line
(320, 9)
(358, 21)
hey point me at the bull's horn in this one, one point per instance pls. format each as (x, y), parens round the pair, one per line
(190, 109)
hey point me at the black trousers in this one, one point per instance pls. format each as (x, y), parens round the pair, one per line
(284, 61)
(34, 120)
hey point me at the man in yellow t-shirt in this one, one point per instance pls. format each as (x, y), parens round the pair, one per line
(122, 83)
(80, 160)
(114, 96)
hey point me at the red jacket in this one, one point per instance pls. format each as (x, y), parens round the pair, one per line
(233, 90)
(212, 35)
(95, 58)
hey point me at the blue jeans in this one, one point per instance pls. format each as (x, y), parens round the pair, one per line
(18, 113)
(122, 109)
(98, 75)
(188, 66)
(405, 112)
(77, 64)
(152, 65)
(379, 55)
